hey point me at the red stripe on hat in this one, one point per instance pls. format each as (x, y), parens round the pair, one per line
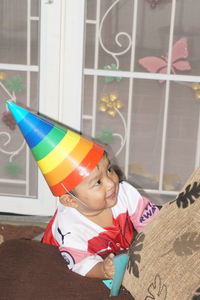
(76, 176)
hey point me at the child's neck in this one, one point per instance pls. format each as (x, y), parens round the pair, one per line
(104, 219)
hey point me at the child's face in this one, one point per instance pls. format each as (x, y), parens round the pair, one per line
(99, 190)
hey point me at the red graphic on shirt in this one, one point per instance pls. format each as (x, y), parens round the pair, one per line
(115, 238)
(48, 236)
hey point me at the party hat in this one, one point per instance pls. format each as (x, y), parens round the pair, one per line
(64, 157)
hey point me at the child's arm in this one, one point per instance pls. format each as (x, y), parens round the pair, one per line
(144, 213)
(87, 264)
(103, 270)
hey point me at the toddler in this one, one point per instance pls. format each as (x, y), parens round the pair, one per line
(97, 214)
(96, 218)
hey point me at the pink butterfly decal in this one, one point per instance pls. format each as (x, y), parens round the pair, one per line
(153, 3)
(179, 62)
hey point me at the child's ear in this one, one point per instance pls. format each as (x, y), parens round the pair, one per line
(68, 200)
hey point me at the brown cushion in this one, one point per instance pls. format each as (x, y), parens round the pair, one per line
(31, 270)
(164, 259)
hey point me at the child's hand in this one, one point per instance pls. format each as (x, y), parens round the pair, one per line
(109, 267)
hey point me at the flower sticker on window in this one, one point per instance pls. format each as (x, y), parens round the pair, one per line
(105, 136)
(112, 67)
(110, 104)
(15, 84)
(196, 89)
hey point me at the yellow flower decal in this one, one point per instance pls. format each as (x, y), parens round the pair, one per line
(3, 76)
(196, 88)
(110, 103)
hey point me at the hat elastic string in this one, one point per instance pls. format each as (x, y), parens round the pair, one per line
(74, 196)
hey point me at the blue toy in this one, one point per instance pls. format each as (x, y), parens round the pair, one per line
(120, 262)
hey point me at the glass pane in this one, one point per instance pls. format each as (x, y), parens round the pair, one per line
(88, 107)
(91, 9)
(34, 43)
(18, 172)
(13, 33)
(146, 133)
(150, 39)
(90, 46)
(187, 25)
(35, 8)
(182, 134)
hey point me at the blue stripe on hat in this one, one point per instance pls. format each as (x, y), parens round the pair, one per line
(34, 129)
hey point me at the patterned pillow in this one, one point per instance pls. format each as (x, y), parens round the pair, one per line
(164, 261)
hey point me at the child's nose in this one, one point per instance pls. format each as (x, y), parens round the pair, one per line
(109, 182)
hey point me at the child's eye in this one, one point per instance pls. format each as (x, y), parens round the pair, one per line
(98, 182)
(110, 169)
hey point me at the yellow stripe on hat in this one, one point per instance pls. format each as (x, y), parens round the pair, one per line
(70, 163)
(59, 153)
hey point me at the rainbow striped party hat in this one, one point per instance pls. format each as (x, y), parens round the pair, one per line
(64, 157)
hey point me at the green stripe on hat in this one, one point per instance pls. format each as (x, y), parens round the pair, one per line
(49, 142)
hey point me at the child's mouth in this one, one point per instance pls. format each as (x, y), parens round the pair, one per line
(112, 196)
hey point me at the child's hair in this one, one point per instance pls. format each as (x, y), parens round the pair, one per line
(116, 168)
(119, 172)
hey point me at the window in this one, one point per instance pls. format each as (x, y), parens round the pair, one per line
(141, 88)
